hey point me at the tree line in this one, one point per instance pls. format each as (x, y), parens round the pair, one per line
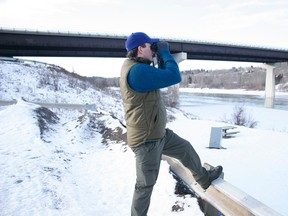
(249, 78)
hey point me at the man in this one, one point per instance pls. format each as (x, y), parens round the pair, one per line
(145, 116)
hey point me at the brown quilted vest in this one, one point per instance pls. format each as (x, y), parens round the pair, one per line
(145, 113)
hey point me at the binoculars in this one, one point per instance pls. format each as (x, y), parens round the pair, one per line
(154, 47)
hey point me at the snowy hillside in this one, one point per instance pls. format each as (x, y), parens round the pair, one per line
(68, 162)
(75, 162)
(39, 82)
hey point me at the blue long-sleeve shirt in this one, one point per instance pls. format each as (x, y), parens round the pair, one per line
(143, 77)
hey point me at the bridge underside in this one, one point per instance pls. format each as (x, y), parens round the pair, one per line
(25, 43)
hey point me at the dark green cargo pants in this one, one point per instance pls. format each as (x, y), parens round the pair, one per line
(148, 158)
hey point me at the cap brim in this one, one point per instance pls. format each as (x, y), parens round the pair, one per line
(154, 40)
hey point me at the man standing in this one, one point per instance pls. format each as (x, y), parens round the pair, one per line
(145, 115)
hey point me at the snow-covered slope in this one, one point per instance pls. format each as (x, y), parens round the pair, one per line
(39, 82)
(69, 162)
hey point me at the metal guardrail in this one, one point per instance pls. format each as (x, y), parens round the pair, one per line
(226, 198)
(86, 106)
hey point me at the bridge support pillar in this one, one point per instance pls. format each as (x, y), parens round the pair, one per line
(179, 57)
(269, 85)
(173, 91)
(270, 82)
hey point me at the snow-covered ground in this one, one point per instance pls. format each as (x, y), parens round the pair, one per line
(69, 171)
(65, 169)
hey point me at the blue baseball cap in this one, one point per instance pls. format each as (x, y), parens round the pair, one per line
(138, 38)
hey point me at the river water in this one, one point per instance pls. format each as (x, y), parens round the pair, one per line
(189, 99)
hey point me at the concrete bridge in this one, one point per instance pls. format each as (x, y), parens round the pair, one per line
(61, 44)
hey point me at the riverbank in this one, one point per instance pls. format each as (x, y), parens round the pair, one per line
(229, 91)
(204, 105)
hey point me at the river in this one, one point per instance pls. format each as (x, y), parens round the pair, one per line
(188, 99)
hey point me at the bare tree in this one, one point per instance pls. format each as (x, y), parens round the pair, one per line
(241, 118)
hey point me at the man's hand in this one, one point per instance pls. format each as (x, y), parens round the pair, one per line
(162, 45)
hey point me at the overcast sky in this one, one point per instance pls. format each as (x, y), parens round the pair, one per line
(249, 22)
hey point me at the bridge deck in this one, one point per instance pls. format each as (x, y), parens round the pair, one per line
(57, 44)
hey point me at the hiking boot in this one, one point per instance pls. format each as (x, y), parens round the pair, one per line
(214, 173)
